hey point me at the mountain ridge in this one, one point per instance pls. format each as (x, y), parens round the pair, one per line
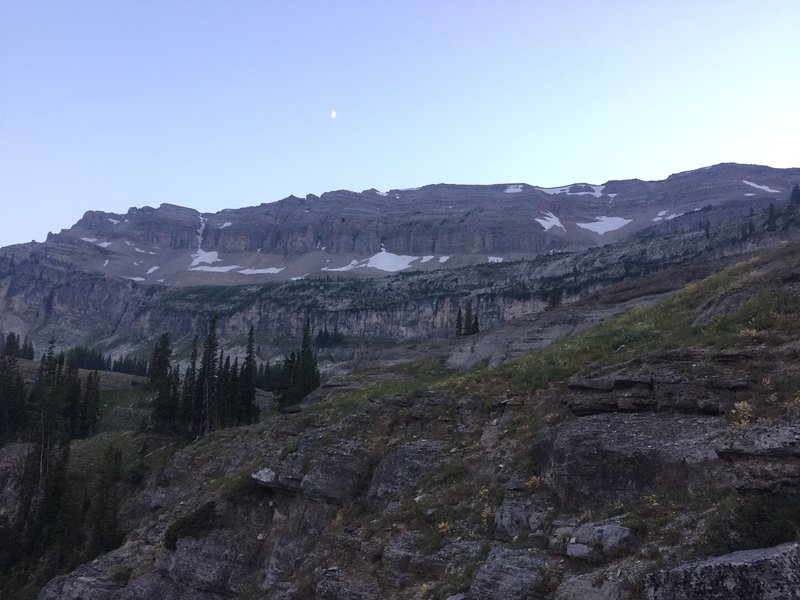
(372, 233)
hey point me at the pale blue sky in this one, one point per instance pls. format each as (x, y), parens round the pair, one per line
(218, 104)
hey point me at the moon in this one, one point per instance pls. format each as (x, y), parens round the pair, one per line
(333, 114)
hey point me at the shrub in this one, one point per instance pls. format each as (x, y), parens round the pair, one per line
(195, 524)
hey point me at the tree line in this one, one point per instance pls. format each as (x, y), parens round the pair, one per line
(298, 374)
(467, 322)
(11, 344)
(54, 526)
(213, 392)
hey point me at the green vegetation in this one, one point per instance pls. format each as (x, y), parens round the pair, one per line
(196, 524)
(665, 325)
(213, 394)
(759, 520)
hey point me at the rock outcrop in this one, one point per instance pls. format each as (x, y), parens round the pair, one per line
(766, 574)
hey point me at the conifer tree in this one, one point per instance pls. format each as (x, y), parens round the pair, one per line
(248, 411)
(309, 373)
(189, 415)
(474, 326)
(795, 197)
(207, 379)
(13, 416)
(459, 323)
(71, 398)
(468, 318)
(772, 217)
(90, 406)
(104, 532)
(164, 409)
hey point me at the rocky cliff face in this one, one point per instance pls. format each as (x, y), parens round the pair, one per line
(45, 296)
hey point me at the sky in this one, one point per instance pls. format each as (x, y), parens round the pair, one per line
(109, 104)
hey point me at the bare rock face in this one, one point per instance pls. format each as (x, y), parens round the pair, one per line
(509, 574)
(400, 470)
(765, 574)
(610, 458)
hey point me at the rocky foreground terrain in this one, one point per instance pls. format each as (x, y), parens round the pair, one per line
(637, 440)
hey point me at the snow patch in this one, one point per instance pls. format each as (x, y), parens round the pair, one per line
(383, 261)
(134, 278)
(138, 250)
(494, 259)
(674, 216)
(104, 244)
(763, 188)
(90, 240)
(549, 221)
(216, 269)
(202, 257)
(152, 270)
(444, 259)
(749, 194)
(597, 190)
(425, 259)
(225, 224)
(105, 264)
(113, 221)
(661, 213)
(384, 194)
(514, 189)
(299, 277)
(267, 271)
(605, 224)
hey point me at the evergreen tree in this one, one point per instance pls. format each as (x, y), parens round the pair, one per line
(474, 327)
(300, 374)
(71, 398)
(13, 416)
(309, 373)
(467, 318)
(227, 401)
(207, 380)
(772, 217)
(189, 415)
(164, 409)
(554, 297)
(90, 405)
(459, 323)
(795, 197)
(104, 534)
(44, 477)
(248, 411)
(11, 345)
(27, 349)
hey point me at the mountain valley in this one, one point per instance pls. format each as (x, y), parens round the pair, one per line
(624, 424)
